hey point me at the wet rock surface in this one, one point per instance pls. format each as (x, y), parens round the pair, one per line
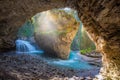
(93, 58)
(33, 67)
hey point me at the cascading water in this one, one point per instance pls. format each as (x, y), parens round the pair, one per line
(25, 38)
(23, 46)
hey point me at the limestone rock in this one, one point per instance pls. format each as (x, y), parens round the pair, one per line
(101, 20)
(55, 35)
(13, 14)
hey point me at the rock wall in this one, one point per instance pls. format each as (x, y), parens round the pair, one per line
(100, 18)
(14, 13)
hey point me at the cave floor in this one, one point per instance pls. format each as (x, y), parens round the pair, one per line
(32, 67)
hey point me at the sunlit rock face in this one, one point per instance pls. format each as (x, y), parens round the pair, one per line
(55, 31)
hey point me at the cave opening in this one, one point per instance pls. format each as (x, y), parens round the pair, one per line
(46, 31)
(101, 19)
(40, 39)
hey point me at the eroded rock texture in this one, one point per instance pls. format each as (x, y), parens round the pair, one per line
(101, 18)
(55, 31)
(14, 13)
(102, 21)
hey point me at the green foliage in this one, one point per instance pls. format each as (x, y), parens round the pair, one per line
(88, 50)
(82, 41)
(86, 45)
(85, 41)
(27, 30)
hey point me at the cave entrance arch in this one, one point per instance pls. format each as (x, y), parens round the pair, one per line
(31, 27)
(100, 18)
(45, 27)
(54, 30)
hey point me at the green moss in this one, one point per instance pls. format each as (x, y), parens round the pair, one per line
(88, 50)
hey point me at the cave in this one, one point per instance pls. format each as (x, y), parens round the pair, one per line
(101, 20)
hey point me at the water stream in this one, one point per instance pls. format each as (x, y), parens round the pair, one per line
(23, 46)
(75, 61)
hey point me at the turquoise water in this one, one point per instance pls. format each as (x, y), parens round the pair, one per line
(23, 46)
(74, 62)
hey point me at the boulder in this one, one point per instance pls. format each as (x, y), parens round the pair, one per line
(55, 35)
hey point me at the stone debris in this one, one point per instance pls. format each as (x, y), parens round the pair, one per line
(31, 67)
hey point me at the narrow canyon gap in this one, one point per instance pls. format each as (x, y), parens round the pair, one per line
(101, 20)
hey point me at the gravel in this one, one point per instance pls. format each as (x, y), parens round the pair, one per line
(33, 67)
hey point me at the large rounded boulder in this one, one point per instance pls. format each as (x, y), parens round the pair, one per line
(55, 31)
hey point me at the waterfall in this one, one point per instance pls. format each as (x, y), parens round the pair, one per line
(23, 46)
